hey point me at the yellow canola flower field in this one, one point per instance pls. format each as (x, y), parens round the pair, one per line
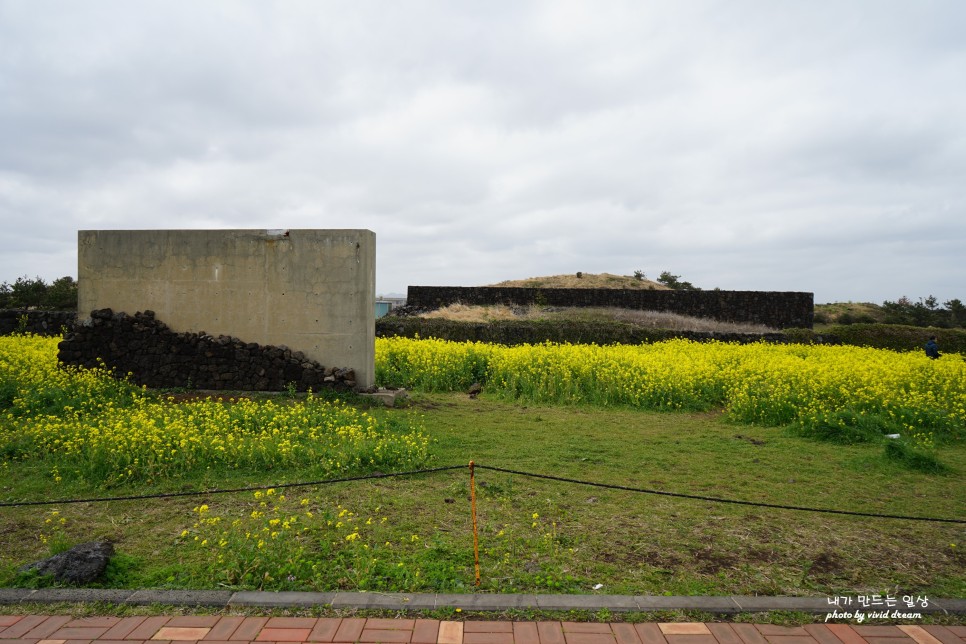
(825, 388)
(107, 430)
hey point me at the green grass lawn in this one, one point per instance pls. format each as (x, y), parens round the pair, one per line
(414, 533)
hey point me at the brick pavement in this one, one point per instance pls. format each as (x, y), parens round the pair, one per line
(58, 629)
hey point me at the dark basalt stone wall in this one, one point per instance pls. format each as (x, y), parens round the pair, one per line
(154, 355)
(778, 310)
(37, 322)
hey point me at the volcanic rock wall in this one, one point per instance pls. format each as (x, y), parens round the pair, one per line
(33, 321)
(151, 354)
(778, 310)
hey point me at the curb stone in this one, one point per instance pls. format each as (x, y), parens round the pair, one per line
(280, 599)
(79, 595)
(181, 597)
(430, 601)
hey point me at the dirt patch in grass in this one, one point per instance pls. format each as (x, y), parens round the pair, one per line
(826, 564)
(16, 530)
(710, 561)
(660, 560)
(763, 556)
(753, 441)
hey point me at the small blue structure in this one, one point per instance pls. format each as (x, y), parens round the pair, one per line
(386, 304)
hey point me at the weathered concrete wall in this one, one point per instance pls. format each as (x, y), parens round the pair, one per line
(309, 290)
(779, 310)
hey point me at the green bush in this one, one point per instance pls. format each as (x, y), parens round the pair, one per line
(914, 459)
(899, 337)
(849, 426)
(515, 332)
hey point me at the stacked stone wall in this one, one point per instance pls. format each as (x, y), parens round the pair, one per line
(777, 310)
(34, 321)
(156, 356)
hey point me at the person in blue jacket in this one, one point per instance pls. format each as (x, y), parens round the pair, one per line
(932, 349)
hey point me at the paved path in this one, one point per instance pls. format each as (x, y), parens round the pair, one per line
(47, 629)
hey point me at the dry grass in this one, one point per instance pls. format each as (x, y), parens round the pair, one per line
(675, 322)
(642, 319)
(586, 280)
(466, 313)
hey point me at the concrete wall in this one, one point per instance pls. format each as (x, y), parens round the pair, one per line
(310, 290)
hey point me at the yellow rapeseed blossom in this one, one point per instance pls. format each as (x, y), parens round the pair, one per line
(808, 385)
(92, 424)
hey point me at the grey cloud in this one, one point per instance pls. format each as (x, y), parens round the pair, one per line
(741, 144)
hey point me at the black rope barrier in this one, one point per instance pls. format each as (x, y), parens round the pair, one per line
(254, 488)
(714, 499)
(548, 477)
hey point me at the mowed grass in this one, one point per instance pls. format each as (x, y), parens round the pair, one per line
(414, 533)
(632, 541)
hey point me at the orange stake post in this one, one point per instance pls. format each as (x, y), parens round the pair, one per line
(476, 539)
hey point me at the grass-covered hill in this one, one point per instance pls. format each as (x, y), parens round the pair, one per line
(849, 313)
(587, 280)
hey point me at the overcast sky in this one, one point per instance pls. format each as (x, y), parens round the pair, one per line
(802, 145)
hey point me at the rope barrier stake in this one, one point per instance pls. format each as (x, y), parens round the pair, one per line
(476, 538)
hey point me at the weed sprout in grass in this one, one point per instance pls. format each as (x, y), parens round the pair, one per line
(53, 534)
